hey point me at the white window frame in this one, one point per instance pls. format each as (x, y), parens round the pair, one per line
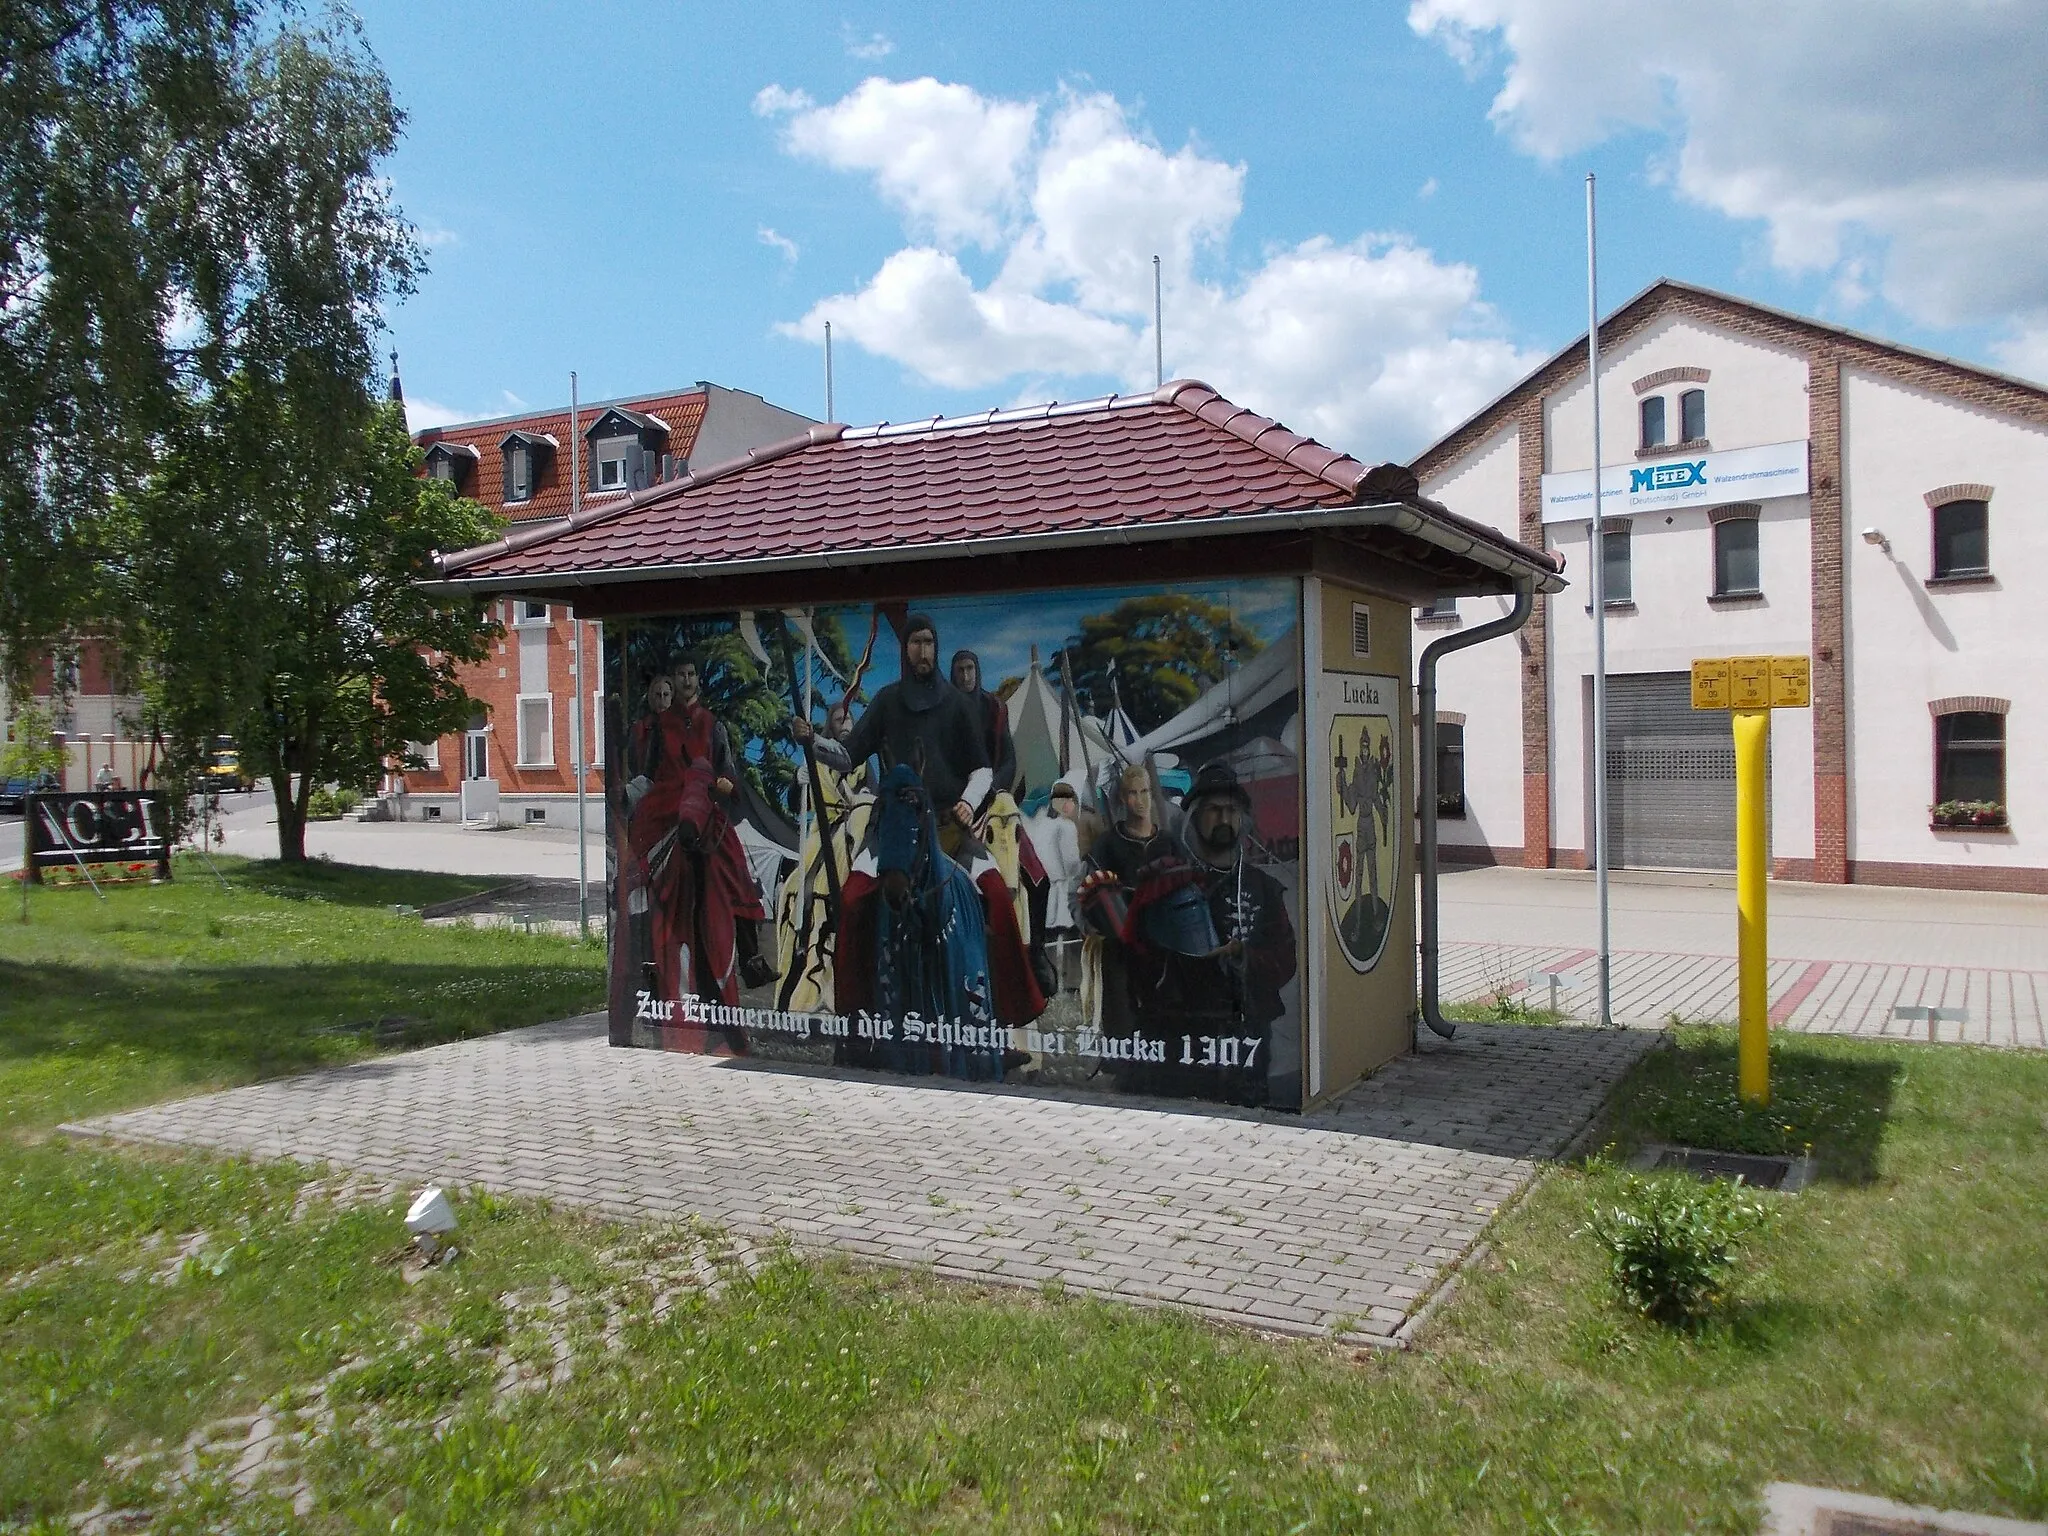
(593, 736)
(522, 618)
(476, 744)
(527, 758)
(608, 452)
(519, 459)
(428, 752)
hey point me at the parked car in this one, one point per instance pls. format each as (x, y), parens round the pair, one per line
(223, 770)
(14, 792)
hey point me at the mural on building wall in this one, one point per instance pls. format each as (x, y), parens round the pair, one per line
(1366, 807)
(1045, 837)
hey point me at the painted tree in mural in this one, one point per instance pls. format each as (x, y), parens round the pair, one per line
(1157, 654)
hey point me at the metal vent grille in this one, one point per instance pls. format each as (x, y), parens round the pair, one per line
(1361, 630)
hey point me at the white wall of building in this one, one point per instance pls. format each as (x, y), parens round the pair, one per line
(1484, 683)
(1909, 643)
(1673, 624)
(1756, 395)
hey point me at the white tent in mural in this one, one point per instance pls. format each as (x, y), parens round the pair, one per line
(1041, 729)
(1261, 699)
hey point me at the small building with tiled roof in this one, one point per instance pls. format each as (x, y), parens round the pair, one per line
(520, 466)
(1774, 485)
(1177, 634)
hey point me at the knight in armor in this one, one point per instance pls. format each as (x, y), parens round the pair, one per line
(922, 722)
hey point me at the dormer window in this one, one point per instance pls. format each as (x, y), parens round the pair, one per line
(526, 457)
(453, 462)
(625, 447)
(613, 458)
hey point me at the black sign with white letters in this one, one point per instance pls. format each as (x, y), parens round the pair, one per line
(108, 827)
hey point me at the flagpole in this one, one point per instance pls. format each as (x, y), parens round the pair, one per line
(1597, 564)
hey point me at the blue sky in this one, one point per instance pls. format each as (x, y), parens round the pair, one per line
(1371, 216)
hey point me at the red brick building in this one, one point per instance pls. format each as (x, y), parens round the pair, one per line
(518, 752)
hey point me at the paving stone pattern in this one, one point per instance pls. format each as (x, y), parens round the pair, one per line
(1344, 1222)
(1842, 997)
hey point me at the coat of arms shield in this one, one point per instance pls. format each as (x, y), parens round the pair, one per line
(1365, 811)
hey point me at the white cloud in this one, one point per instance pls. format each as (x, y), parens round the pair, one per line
(1369, 343)
(435, 238)
(875, 45)
(780, 243)
(945, 155)
(1900, 149)
(1427, 189)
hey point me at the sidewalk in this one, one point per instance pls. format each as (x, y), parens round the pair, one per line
(1843, 957)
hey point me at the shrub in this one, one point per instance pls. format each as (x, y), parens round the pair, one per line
(325, 804)
(1672, 1242)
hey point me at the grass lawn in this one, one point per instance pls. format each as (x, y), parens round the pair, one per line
(1890, 1334)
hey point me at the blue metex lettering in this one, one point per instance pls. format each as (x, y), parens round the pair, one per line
(1667, 477)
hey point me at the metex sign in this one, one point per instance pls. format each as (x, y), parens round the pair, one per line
(1690, 480)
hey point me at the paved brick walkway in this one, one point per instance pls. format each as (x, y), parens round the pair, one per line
(1846, 997)
(1345, 1222)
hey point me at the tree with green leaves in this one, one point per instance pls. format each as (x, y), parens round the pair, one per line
(196, 245)
(1157, 654)
(333, 655)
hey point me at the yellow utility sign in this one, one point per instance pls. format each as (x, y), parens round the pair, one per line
(1791, 682)
(1752, 682)
(1749, 688)
(1710, 684)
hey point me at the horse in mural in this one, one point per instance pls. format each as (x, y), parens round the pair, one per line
(697, 885)
(930, 944)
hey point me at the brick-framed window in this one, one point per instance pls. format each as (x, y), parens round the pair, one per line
(1618, 564)
(1738, 560)
(1969, 752)
(1959, 529)
(1450, 766)
(528, 614)
(1692, 416)
(1650, 417)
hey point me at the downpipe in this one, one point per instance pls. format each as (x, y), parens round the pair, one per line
(1431, 1012)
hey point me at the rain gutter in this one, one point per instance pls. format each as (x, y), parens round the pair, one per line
(1431, 1012)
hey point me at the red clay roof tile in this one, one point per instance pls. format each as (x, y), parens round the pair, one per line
(1184, 452)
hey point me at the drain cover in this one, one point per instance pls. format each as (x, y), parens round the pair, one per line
(1788, 1175)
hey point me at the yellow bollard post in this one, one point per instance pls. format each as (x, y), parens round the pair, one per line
(1752, 869)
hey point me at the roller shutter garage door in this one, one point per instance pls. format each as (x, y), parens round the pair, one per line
(1670, 776)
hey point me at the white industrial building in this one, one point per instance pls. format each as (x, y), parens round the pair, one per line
(1774, 486)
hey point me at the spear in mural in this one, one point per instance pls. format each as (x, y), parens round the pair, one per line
(750, 634)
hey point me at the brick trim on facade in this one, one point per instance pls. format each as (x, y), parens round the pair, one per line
(1967, 704)
(1650, 381)
(1962, 490)
(1952, 877)
(1830, 676)
(1529, 460)
(1733, 511)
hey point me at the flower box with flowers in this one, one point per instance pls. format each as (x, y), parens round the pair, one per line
(1959, 815)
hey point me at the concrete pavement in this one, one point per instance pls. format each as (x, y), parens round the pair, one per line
(1843, 958)
(1341, 1223)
